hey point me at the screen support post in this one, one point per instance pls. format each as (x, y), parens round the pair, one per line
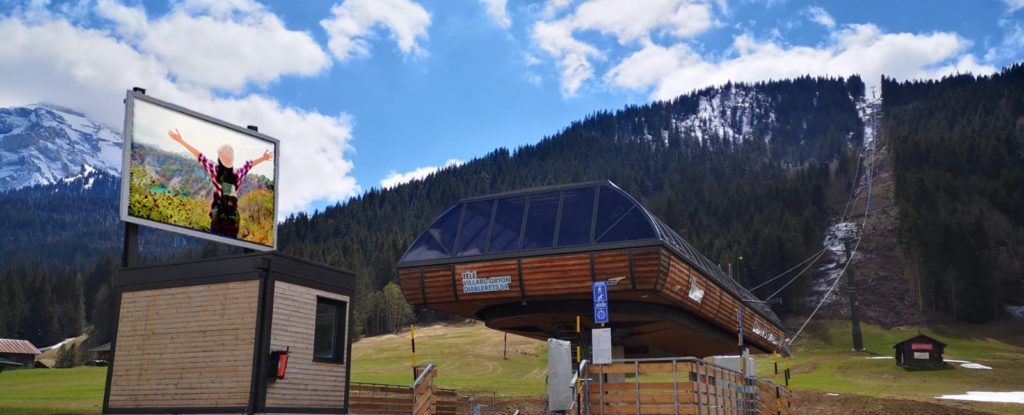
(130, 254)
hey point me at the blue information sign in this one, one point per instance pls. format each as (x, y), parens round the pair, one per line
(600, 302)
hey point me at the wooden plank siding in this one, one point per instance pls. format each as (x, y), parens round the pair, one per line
(556, 275)
(307, 384)
(409, 281)
(185, 346)
(569, 276)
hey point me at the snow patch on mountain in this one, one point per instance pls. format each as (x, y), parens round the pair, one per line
(845, 233)
(837, 238)
(44, 144)
(868, 109)
(730, 113)
(88, 176)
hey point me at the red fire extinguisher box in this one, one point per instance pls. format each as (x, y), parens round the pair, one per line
(255, 333)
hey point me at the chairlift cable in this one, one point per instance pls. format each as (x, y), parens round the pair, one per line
(849, 199)
(867, 207)
(789, 270)
(795, 277)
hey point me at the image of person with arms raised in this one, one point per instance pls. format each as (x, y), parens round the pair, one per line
(224, 217)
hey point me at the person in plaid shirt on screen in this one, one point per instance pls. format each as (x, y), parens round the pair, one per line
(224, 218)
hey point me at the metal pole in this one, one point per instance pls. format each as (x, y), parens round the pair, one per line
(579, 341)
(636, 380)
(696, 387)
(412, 338)
(851, 285)
(675, 385)
(130, 254)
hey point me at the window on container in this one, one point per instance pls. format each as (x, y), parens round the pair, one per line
(540, 221)
(577, 216)
(508, 224)
(438, 240)
(329, 331)
(475, 224)
(619, 219)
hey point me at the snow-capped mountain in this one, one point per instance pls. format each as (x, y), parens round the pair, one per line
(44, 144)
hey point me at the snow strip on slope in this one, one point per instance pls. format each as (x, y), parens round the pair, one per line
(1002, 397)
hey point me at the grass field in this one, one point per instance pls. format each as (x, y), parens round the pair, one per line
(824, 362)
(469, 358)
(52, 391)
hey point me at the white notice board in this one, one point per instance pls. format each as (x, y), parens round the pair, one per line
(602, 346)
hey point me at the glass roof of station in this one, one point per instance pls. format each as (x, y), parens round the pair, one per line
(539, 221)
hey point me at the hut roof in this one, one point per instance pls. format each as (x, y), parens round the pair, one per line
(920, 337)
(15, 346)
(553, 220)
(101, 348)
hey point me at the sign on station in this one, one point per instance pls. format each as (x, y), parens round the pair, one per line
(602, 346)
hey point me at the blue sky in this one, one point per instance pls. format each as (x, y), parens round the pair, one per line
(365, 91)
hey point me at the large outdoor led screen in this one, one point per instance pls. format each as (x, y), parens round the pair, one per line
(193, 174)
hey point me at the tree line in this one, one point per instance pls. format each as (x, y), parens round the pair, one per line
(958, 152)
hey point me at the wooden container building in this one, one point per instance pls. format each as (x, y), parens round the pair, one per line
(206, 337)
(920, 352)
(524, 262)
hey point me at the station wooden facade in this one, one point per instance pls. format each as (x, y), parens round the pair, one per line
(198, 337)
(664, 297)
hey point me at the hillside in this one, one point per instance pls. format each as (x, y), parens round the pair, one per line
(958, 162)
(740, 171)
(756, 176)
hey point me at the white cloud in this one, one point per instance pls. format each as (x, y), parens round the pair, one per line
(573, 56)
(46, 58)
(820, 16)
(395, 178)
(856, 49)
(553, 7)
(353, 23)
(1014, 5)
(1012, 44)
(618, 18)
(224, 45)
(497, 10)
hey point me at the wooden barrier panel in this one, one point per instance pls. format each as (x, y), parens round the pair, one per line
(681, 387)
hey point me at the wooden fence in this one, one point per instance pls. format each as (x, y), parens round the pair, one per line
(421, 398)
(683, 386)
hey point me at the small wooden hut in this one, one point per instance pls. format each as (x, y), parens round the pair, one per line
(17, 354)
(920, 352)
(208, 337)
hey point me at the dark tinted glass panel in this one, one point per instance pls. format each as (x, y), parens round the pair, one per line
(475, 224)
(632, 226)
(577, 214)
(435, 242)
(325, 339)
(508, 222)
(426, 247)
(540, 221)
(446, 227)
(611, 205)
